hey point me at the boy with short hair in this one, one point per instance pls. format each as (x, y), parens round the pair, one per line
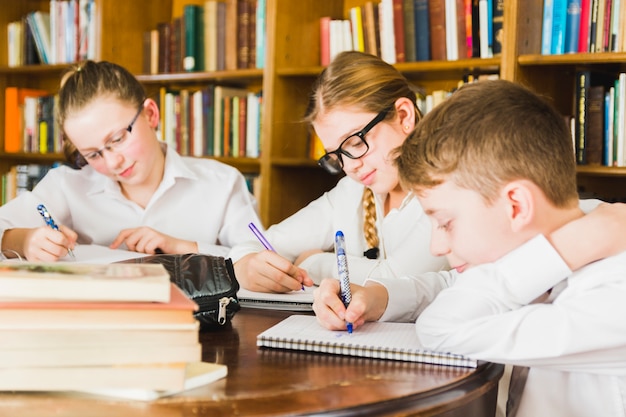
(493, 167)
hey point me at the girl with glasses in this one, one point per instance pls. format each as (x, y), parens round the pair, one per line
(121, 186)
(361, 108)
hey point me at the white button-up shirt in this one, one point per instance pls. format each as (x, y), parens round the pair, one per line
(199, 200)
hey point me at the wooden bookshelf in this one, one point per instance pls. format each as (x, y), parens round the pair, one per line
(289, 179)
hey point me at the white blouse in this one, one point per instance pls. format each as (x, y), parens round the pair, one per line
(199, 200)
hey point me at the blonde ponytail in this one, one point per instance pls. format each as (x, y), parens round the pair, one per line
(369, 224)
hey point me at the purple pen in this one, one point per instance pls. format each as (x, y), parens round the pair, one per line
(263, 240)
(260, 236)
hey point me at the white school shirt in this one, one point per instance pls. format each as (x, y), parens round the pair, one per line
(200, 200)
(575, 346)
(404, 235)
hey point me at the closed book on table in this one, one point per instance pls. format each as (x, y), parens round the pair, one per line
(66, 281)
(166, 376)
(379, 340)
(177, 313)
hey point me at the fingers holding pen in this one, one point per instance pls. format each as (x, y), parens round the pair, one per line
(266, 271)
(46, 244)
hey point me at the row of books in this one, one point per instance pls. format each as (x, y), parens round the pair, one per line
(572, 26)
(21, 178)
(67, 33)
(416, 30)
(112, 329)
(29, 121)
(219, 35)
(599, 125)
(212, 121)
(425, 101)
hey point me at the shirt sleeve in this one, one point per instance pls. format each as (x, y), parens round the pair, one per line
(238, 213)
(489, 313)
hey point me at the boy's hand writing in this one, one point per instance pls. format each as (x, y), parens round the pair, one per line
(267, 271)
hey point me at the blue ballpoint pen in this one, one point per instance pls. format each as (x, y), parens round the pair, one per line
(50, 222)
(344, 277)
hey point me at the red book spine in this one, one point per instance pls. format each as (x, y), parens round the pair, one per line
(325, 40)
(398, 30)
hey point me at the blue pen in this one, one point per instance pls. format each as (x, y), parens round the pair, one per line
(344, 277)
(266, 244)
(50, 222)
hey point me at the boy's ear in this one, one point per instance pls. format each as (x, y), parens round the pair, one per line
(520, 203)
(405, 109)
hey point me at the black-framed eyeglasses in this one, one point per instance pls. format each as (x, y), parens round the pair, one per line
(117, 142)
(354, 147)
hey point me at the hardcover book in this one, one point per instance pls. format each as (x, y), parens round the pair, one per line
(177, 313)
(66, 281)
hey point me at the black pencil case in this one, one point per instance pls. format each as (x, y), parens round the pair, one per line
(206, 279)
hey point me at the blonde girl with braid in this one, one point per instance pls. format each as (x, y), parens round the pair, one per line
(362, 109)
(121, 187)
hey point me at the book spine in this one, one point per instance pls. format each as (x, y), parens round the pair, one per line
(398, 30)
(475, 29)
(546, 32)
(409, 30)
(593, 25)
(243, 33)
(260, 34)
(585, 20)
(572, 26)
(558, 27)
(582, 86)
(594, 134)
(497, 24)
(437, 19)
(325, 40)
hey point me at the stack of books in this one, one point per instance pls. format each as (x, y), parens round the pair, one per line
(113, 329)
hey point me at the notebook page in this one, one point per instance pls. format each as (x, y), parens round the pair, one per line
(397, 341)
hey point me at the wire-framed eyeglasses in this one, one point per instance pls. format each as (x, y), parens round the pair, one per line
(117, 142)
(354, 147)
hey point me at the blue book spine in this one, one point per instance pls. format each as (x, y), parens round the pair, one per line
(422, 30)
(546, 33)
(558, 26)
(608, 128)
(572, 26)
(260, 34)
(490, 25)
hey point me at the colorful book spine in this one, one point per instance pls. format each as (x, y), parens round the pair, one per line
(572, 26)
(546, 32)
(558, 27)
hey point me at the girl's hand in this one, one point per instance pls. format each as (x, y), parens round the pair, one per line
(267, 271)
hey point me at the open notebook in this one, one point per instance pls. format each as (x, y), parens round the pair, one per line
(292, 301)
(380, 340)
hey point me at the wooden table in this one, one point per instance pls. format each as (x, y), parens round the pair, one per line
(272, 382)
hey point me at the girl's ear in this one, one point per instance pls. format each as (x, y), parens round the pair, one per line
(151, 110)
(405, 110)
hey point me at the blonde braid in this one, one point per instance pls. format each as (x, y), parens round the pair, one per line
(369, 224)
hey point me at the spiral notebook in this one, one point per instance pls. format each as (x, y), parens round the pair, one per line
(379, 340)
(292, 301)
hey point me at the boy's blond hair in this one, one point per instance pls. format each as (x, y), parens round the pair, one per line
(486, 135)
